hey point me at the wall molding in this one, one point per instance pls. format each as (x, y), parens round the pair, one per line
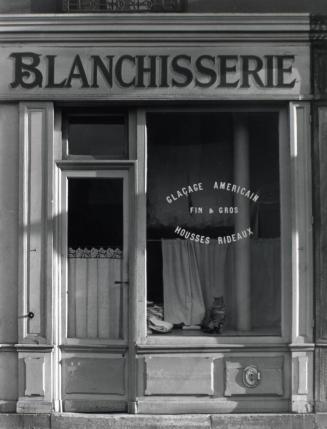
(154, 27)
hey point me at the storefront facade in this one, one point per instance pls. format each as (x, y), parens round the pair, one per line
(163, 232)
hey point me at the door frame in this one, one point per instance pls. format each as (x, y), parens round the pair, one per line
(101, 348)
(92, 169)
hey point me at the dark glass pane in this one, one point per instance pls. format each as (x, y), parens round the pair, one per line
(102, 136)
(95, 258)
(95, 212)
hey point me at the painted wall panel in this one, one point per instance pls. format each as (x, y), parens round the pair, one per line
(321, 223)
(179, 375)
(254, 376)
(94, 375)
(8, 376)
(8, 222)
(35, 271)
(34, 370)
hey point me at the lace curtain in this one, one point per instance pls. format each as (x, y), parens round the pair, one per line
(94, 299)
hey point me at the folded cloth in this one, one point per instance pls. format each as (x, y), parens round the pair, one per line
(155, 315)
(155, 311)
(158, 325)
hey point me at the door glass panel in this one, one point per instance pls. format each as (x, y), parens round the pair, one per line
(95, 257)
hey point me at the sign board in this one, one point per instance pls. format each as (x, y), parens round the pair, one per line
(177, 72)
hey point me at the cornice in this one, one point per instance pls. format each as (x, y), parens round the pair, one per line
(153, 27)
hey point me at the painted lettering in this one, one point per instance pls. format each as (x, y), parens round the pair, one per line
(77, 72)
(32, 70)
(26, 73)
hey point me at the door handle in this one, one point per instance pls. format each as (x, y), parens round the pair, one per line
(121, 283)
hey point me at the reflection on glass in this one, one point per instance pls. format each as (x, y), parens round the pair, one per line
(213, 223)
(95, 246)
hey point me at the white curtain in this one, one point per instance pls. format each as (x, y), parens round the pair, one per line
(193, 274)
(94, 299)
(183, 294)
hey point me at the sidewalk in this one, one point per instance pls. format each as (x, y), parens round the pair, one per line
(128, 421)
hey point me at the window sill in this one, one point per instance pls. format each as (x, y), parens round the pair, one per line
(226, 333)
(211, 341)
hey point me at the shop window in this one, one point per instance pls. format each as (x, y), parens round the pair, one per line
(96, 135)
(213, 223)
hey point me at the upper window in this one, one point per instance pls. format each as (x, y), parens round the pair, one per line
(213, 223)
(96, 135)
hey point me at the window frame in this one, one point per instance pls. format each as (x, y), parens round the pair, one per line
(152, 341)
(79, 113)
(89, 166)
(108, 170)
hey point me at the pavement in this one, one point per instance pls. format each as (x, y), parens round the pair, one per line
(196, 421)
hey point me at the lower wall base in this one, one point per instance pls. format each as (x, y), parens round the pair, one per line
(209, 406)
(28, 406)
(8, 406)
(25, 421)
(98, 406)
(127, 421)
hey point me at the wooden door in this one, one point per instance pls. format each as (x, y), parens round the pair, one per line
(95, 289)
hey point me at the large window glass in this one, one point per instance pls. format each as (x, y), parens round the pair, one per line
(213, 223)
